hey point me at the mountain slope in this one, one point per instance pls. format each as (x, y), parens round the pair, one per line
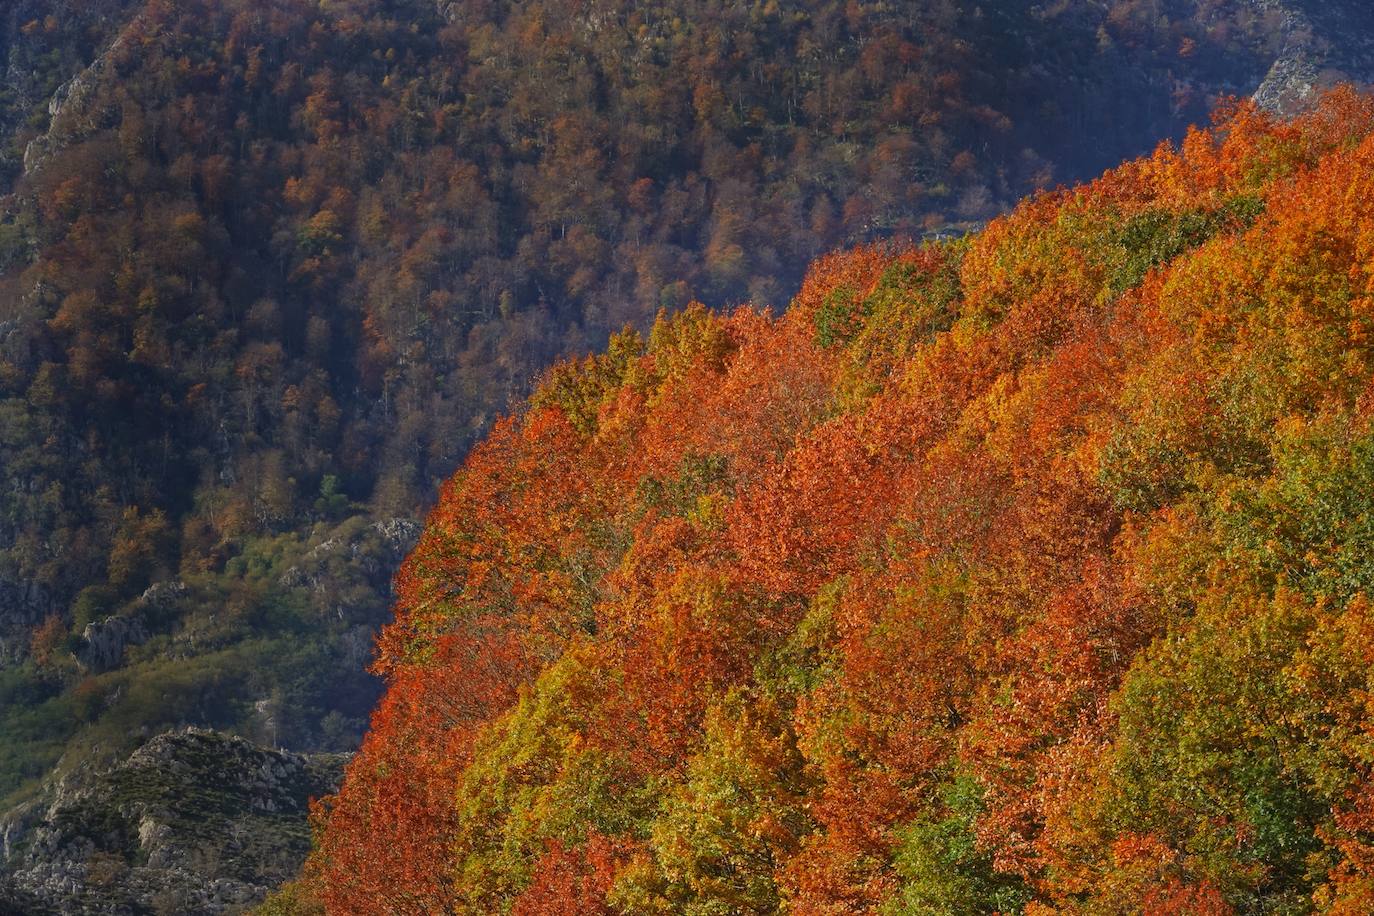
(1024, 573)
(273, 264)
(269, 267)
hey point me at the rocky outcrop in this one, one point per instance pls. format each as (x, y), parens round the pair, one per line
(68, 114)
(373, 550)
(1322, 42)
(400, 534)
(192, 822)
(44, 47)
(105, 641)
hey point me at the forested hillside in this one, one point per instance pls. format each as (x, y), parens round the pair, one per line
(271, 265)
(268, 268)
(1029, 572)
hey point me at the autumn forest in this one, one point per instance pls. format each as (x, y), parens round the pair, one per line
(935, 528)
(1026, 573)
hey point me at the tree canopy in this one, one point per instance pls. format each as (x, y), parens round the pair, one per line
(269, 267)
(1024, 573)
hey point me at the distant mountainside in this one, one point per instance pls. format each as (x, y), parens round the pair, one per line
(1031, 572)
(268, 268)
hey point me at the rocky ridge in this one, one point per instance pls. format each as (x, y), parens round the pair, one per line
(45, 46)
(194, 821)
(1321, 43)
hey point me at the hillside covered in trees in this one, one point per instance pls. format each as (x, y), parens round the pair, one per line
(1025, 573)
(268, 267)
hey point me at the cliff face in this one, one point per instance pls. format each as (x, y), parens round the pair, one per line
(192, 822)
(44, 45)
(1319, 43)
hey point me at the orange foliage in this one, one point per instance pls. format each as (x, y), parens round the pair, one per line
(970, 569)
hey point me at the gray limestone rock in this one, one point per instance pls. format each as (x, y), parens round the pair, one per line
(194, 822)
(105, 641)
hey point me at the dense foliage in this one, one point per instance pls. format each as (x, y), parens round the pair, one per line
(272, 265)
(1025, 573)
